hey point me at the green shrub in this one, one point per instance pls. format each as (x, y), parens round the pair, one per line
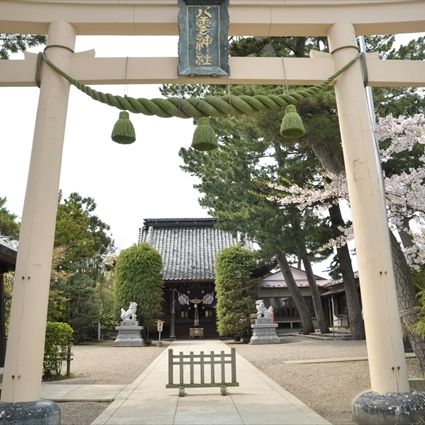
(236, 290)
(138, 278)
(58, 339)
(419, 326)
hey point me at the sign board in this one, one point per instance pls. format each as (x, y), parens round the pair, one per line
(203, 37)
(159, 325)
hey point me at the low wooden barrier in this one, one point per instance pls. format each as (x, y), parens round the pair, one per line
(205, 379)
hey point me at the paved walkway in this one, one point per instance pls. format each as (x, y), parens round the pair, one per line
(258, 399)
(71, 392)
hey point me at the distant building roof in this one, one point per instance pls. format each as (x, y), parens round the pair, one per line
(8, 252)
(276, 279)
(188, 246)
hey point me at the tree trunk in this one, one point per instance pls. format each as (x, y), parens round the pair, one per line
(295, 293)
(406, 238)
(407, 301)
(351, 292)
(315, 296)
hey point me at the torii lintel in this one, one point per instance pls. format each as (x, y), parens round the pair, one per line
(88, 69)
(247, 17)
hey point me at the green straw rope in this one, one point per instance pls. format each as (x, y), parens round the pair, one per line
(212, 106)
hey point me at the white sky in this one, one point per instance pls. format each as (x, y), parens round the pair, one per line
(128, 182)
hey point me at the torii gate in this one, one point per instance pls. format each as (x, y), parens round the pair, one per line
(339, 20)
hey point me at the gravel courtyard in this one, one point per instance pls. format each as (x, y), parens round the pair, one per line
(298, 364)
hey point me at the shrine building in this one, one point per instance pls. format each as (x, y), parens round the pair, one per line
(188, 247)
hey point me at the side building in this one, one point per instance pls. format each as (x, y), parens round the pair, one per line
(188, 247)
(274, 291)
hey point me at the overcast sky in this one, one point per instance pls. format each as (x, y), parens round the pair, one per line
(128, 182)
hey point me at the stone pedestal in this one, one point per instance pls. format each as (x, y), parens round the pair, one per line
(129, 336)
(37, 412)
(264, 332)
(372, 408)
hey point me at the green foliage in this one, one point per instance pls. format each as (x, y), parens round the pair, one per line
(236, 290)
(83, 235)
(8, 224)
(82, 245)
(419, 327)
(418, 278)
(138, 278)
(397, 101)
(8, 286)
(105, 298)
(58, 339)
(83, 313)
(13, 43)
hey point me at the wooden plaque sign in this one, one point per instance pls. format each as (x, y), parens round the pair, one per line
(203, 37)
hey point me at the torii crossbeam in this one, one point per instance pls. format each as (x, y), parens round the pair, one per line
(339, 20)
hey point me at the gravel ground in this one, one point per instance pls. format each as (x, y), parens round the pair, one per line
(328, 388)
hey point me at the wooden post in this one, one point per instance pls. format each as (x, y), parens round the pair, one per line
(191, 370)
(212, 367)
(223, 367)
(202, 365)
(233, 364)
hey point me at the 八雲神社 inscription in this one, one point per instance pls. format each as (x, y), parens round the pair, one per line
(203, 42)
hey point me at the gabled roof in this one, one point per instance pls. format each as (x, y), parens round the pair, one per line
(8, 252)
(276, 279)
(188, 246)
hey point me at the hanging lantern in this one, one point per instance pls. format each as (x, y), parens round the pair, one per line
(204, 137)
(292, 126)
(123, 131)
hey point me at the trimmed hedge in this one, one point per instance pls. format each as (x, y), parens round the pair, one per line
(58, 339)
(236, 290)
(138, 278)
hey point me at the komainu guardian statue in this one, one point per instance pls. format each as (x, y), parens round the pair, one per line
(129, 317)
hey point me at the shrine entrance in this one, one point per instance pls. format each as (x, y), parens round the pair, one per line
(338, 20)
(193, 306)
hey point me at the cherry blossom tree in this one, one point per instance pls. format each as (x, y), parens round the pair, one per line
(402, 151)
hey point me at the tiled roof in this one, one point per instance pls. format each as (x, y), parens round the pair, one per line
(188, 246)
(8, 251)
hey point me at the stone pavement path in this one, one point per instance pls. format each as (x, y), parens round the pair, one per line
(258, 399)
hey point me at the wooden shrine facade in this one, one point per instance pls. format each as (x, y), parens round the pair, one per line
(188, 247)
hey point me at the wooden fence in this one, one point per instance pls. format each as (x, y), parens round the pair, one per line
(205, 375)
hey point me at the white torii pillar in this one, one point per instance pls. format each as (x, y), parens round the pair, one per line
(25, 346)
(387, 364)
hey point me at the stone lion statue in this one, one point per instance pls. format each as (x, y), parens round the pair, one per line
(262, 311)
(128, 316)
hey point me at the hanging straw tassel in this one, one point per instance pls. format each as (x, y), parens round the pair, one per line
(123, 131)
(204, 137)
(292, 126)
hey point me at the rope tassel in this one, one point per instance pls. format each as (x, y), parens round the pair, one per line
(292, 126)
(204, 137)
(123, 131)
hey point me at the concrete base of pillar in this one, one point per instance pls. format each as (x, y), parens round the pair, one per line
(40, 412)
(372, 408)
